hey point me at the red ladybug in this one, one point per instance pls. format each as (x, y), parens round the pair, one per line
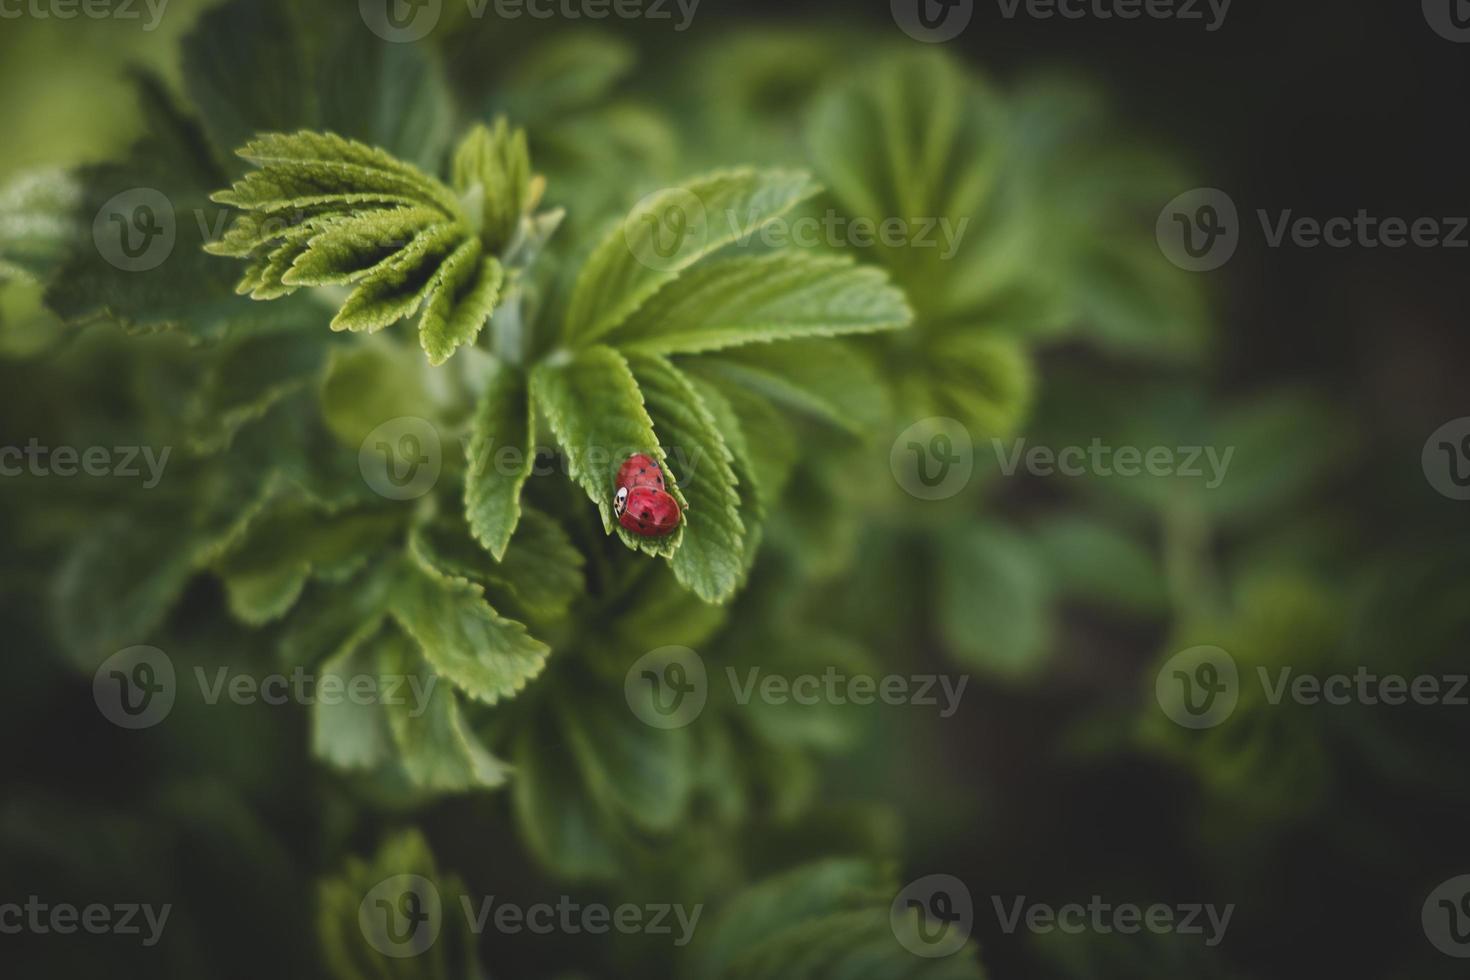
(640, 470)
(648, 511)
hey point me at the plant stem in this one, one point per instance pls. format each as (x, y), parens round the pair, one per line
(508, 333)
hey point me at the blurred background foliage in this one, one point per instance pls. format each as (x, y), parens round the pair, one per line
(1056, 322)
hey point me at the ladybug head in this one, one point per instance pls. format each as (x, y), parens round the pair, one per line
(620, 501)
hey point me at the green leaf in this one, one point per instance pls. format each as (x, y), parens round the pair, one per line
(392, 96)
(157, 199)
(464, 298)
(641, 773)
(264, 574)
(541, 569)
(304, 169)
(492, 168)
(324, 210)
(552, 807)
(341, 918)
(755, 299)
(436, 747)
(913, 137)
(488, 657)
(119, 582)
(245, 377)
(1096, 194)
(764, 909)
(596, 409)
(710, 561)
(245, 72)
(1101, 563)
(564, 73)
(344, 731)
(400, 285)
(492, 491)
(660, 612)
(754, 498)
(821, 921)
(539, 575)
(366, 385)
(338, 615)
(994, 599)
(37, 219)
(340, 249)
(670, 231)
(770, 446)
(821, 378)
(984, 382)
(806, 650)
(1283, 445)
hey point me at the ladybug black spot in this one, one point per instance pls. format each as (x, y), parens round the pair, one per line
(647, 514)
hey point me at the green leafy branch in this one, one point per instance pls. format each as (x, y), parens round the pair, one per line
(321, 210)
